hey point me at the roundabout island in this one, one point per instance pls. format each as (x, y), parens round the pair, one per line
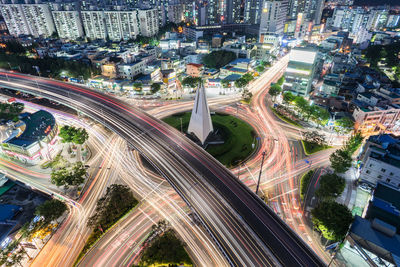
(235, 140)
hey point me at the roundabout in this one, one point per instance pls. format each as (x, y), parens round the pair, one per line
(239, 139)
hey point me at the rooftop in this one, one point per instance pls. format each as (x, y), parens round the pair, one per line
(7, 212)
(362, 228)
(38, 126)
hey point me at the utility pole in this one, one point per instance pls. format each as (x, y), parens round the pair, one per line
(259, 176)
(181, 125)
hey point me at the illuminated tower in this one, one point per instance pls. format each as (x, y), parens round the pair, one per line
(200, 123)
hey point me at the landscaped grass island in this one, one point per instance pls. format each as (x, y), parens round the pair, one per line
(238, 136)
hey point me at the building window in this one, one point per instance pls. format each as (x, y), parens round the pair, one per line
(367, 171)
(371, 165)
(391, 174)
(388, 180)
(379, 176)
(383, 170)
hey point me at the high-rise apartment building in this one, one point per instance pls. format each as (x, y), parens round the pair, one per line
(121, 25)
(175, 13)
(94, 24)
(68, 24)
(295, 7)
(30, 19)
(233, 9)
(148, 22)
(15, 19)
(313, 10)
(273, 16)
(252, 11)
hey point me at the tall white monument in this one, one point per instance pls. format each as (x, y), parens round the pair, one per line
(200, 121)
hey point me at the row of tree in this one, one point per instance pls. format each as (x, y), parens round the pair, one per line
(191, 82)
(218, 59)
(331, 218)
(305, 110)
(341, 158)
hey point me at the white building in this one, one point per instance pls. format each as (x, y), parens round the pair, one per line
(129, 71)
(30, 19)
(393, 21)
(273, 16)
(68, 24)
(121, 25)
(380, 164)
(148, 22)
(94, 24)
(300, 71)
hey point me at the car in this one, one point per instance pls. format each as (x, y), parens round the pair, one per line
(365, 188)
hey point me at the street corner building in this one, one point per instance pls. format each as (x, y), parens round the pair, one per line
(32, 138)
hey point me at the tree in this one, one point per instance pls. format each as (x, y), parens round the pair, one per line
(225, 83)
(340, 160)
(218, 59)
(320, 115)
(332, 219)
(155, 87)
(247, 95)
(71, 176)
(80, 136)
(191, 82)
(288, 97)
(248, 77)
(260, 68)
(331, 186)
(353, 143)
(301, 104)
(240, 83)
(281, 81)
(165, 250)
(116, 202)
(50, 210)
(315, 137)
(344, 124)
(275, 90)
(67, 133)
(70, 134)
(138, 86)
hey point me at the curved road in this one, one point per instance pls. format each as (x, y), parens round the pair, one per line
(245, 229)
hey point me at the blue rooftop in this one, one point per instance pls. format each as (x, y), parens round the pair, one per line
(240, 60)
(7, 212)
(362, 228)
(38, 126)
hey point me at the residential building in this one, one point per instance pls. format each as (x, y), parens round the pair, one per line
(29, 19)
(252, 11)
(385, 205)
(169, 78)
(131, 70)
(393, 21)
(194, 70)
(175, 13)
(273, 17)
(94, 24)
(377, 111)
(148, 22)
(121, 25)
(68, 24)
(300, 71)
(380, 160)
(33, 138)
